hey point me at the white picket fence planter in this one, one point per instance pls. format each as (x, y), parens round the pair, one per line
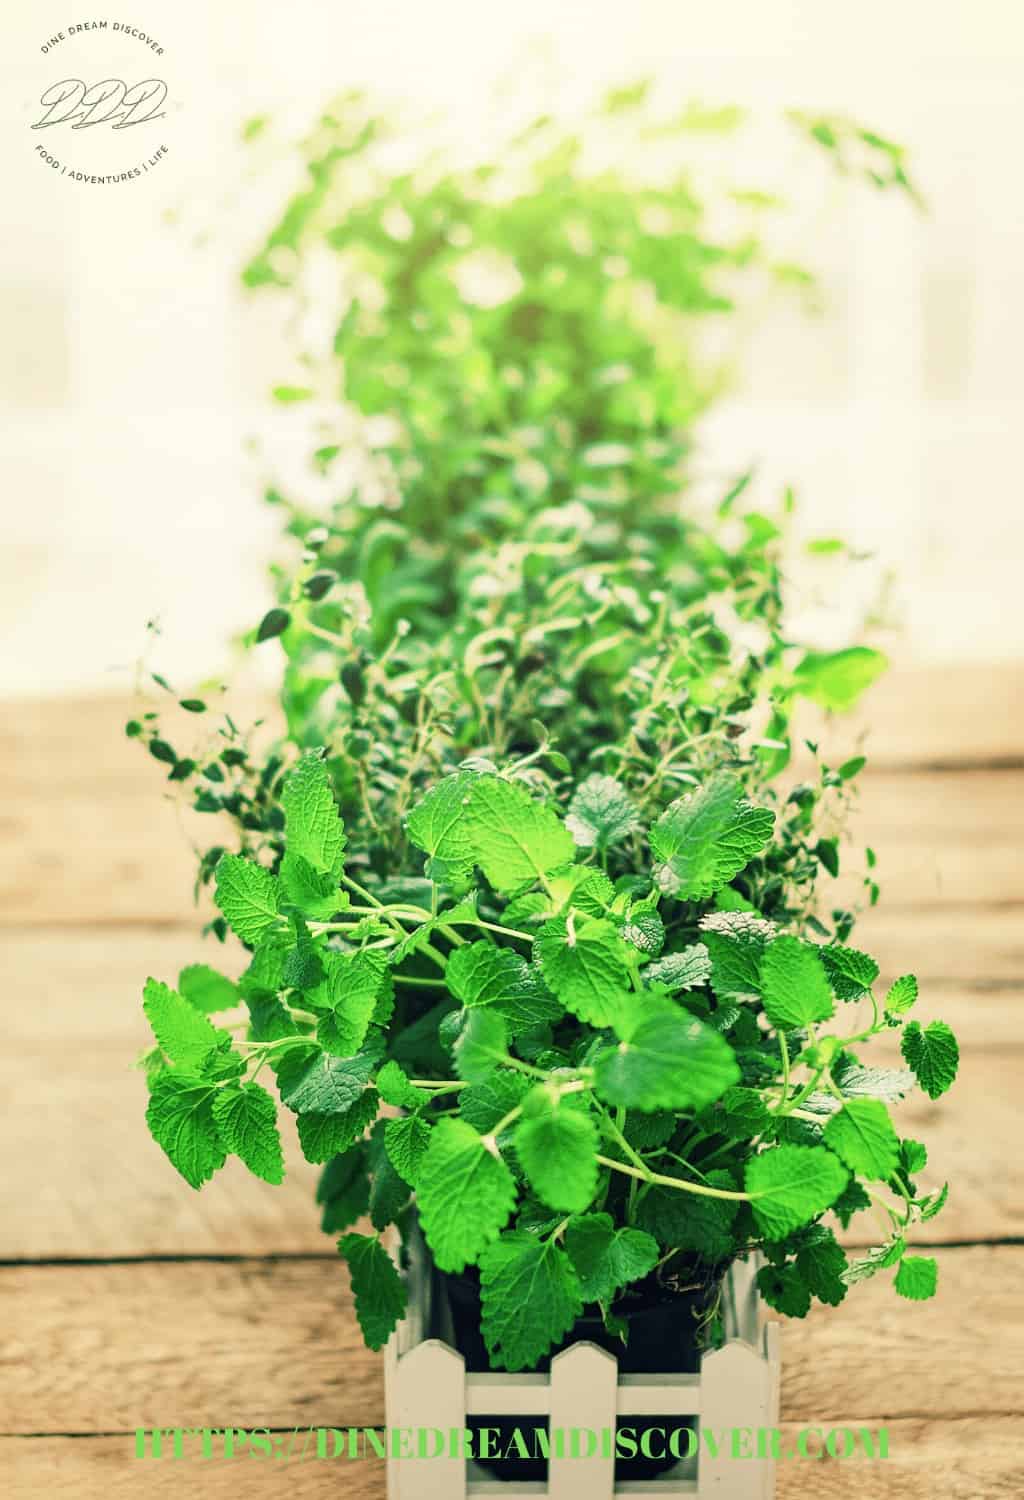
(427, 1386)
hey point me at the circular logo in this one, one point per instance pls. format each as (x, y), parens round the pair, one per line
(101, 116)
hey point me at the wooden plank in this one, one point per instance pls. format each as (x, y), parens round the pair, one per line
(978, 1458)
(111, 1348)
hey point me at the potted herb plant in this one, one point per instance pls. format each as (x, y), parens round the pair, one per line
(537, 956)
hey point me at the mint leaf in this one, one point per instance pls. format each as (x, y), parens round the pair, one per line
(515, 840)
(180, 1120)
(853, 1199)
(736, 941)
(558, 1152)
(876, 1260)
(480, 974)
(247, 895)
(836, 679)
(584, 962)
(246, 1118)
(933, 1055)
(933, 1203)
(791, 1185)
(350, 991)
(484, 1104)
(785, 1289)
(394, 1087)
(666, 1059)
(852, 973)
(376, 1285)
(206, 990)
(917, 1277)
(601, 813)
(439, 823)
(327, 1085)
(862, 1135)
(681, 971)
(465, 1194)
(324, 1136)
(406, 1143)
(888, 1084)
(821, 1261)
(691, 1221)
(185, 1036)
(313, 828)
(313, 891)
(343, 1190)
(481, 1045)
(902, 995)
(794, 984)
(530, 1297)
(607, 1259)
(706, 837)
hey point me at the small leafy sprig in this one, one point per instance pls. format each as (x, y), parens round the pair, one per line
(590, 1080)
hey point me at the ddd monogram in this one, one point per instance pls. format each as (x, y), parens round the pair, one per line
(109, 102)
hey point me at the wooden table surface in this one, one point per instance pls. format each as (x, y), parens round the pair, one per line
(131, 1301)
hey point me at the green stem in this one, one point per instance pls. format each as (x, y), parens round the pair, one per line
(677, 1182)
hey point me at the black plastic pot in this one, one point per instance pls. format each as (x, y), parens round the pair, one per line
(664, 1334)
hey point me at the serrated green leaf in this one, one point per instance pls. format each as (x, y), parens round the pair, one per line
(876, 1260)
(378, 1289)
(821, 1261)
(692, 1221)
(933, 1203)
(343, 1190)
(480, 974)
(313, 828)
(406, 1142)
(706, 837)
(917, 1277)
(791, 1185)
(584, 962)
(439, 823)
(852, 973)
(530, 1297)
(913, 1157)
(246, 1117)
(515, 840)
(180, 1120)
(794, 984)
(902, 995)
(862, 1135)
(325, 1084)
(314, 892)
(465, 1194)
(558, 1152)
(484, 1104)
(394, 1087)
(248, 897)
(606, 1259)
(684, 970)
(740, 1113)
(481, 1046)
(665, 1059)
(350, 992)
(185, 1037)
(206, 990)
(601, 813)
(853, 1199)
(736, 941)
(932, 1054)
(888, 1084)
(785, 1289)
(324, 1136)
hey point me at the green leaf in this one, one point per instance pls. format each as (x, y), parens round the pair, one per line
(692, 1221)
(681, 971)
(917, 1277)
(741, 1114)
(484, 1104)
(480, 974)
(247, 895)
(343, 1189)
(584, 962)
(858, 970)
(530, 1297)
(313, 828)
(707, 837)
(736, 941)
(376, 1285)
(515, 840)
(791, 1185)
(902, 995)
(350, 992)
(888, 1084)
(821, 1262)
(180, 1120)
(406, 1142)
(665, 1059)
(465, 1194)
(836, 679)
(314, 892)
(185, 1036)
(785, 1289)
(853, 1199)
(246, 1117)
(482, 1045)
(439, 823)
(794, 984)
(325, 1084)
(324, 1136)
(207, 990)
(933, 1203)
(913, 1157)
(558, 1152)
(394, 1087)
(607, 1259)
(876, 1260)
(274, 623)
(862, 1135)
(932, 1054)
(601, 813)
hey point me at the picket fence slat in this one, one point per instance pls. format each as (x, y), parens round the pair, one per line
(737, 1387)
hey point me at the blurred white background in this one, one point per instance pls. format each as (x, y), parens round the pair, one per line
(132, 368)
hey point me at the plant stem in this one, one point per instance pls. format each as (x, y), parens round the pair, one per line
(677, 1182)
